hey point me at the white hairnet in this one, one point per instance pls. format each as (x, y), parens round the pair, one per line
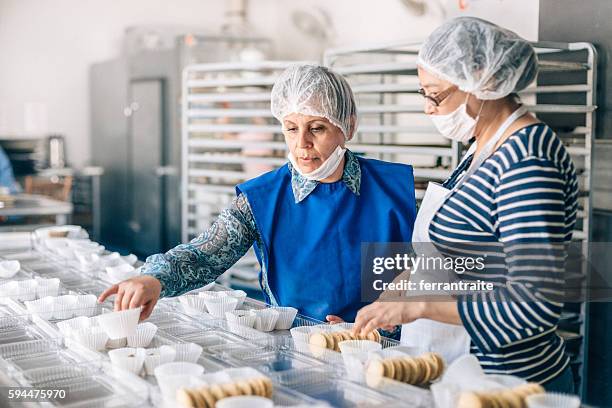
(479, 57)
(315, 90)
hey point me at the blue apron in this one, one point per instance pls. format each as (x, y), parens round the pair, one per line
(311, 249)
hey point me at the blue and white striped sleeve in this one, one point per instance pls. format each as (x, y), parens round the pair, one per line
(529, 215)
(190, 266)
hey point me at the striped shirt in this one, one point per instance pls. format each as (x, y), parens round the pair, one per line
(519, 207)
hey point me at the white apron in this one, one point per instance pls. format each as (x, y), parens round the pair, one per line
(449, 340)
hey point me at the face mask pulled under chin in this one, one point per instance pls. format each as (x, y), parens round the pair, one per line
(457, 125)
(326, 169)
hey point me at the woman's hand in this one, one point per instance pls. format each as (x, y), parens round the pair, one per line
(333, 319)
(386, 315)
(135, 292)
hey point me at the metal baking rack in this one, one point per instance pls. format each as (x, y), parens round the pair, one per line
(394, 127)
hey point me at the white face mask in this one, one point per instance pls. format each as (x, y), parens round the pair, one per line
(325, 170)
(457, 125)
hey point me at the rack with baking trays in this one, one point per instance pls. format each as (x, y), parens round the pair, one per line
(228, 136)
(70, 347)
(384, 80)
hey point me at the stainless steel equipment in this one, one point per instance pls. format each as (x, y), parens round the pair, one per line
(135, 103)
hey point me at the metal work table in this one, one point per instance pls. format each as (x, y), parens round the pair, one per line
(30, 204)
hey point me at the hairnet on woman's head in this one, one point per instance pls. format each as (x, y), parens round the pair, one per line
(315, 90)
(479, 57)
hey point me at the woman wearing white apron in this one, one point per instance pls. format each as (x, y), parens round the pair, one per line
(515, 186)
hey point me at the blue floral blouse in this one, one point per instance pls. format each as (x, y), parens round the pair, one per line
(190, 266)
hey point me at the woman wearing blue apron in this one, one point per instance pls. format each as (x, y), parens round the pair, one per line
(513, 198)
(306, 220)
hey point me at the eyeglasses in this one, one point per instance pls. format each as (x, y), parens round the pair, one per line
(439, 98)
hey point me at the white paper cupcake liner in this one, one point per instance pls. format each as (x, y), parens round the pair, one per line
(158, 356)
(241, 318)
(129, 358)
(84, 245)
(552, 400)
(42, 307)
(193, 304)
(266, 319)
(78, 323)
(286, 316)
(172, 376)
(362, 347)
(26, 289)
(120, 324)
(65, 252)
(130, 259)
(354, 363)
(187, 352)
(116, 343)
(86, 305)
(213, 294)
(93, 338)
(8, 269)
(86, 301)
(121, 272)
(301, 334)
(47, 287)
(64, 307)
(143, 335)
(219, 306)
(240, 295)
(245, 401)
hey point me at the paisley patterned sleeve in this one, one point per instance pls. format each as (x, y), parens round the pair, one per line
(190, 266)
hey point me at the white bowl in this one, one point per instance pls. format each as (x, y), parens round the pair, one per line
(187, 352)
(120, 324)
(245, 401)
(158, 356)
(130, 359)
(8, 269)
(143, 336)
